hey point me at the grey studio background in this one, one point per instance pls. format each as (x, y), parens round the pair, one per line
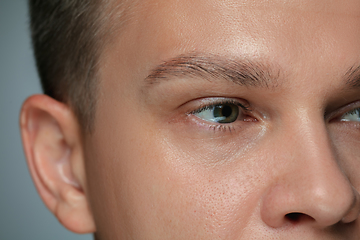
(22, 214)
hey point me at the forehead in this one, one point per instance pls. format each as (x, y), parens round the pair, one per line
(282, 32)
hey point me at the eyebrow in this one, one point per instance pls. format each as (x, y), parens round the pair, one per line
(352, 77)
(239, 71)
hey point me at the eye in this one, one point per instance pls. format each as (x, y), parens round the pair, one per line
(227, 112)
(351, 116)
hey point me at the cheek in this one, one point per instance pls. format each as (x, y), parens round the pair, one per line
(145, 184)
(172, 198)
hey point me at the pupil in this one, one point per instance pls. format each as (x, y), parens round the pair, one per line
(226, 111)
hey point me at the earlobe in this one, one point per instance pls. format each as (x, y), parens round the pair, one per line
(53, 149)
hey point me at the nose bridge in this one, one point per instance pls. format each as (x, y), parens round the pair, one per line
(306, 144)
(310, 136)
(314, 158)
(310, 182)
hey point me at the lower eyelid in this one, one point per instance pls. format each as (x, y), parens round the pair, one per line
(213, 126)
(221, 126)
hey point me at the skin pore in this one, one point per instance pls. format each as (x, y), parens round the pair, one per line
(158, 164)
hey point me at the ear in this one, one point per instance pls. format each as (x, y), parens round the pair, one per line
(53, 147)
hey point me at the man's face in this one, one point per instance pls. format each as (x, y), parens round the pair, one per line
(229, 120)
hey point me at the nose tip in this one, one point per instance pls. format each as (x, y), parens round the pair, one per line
(333, 205)
(322, 204)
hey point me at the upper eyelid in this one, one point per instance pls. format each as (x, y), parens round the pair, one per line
(220, 101)
(342, 111)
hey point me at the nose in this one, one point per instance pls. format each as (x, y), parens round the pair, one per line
(309, 187)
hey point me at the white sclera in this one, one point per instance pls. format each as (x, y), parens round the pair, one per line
(353, 116)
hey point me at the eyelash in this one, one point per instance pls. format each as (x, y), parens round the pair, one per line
(220, 102)
(352, 111)
(223, 127)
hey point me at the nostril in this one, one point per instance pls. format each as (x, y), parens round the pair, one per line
(293, 217)
(296, 217)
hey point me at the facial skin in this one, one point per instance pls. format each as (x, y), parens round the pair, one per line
(159, 167)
